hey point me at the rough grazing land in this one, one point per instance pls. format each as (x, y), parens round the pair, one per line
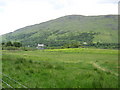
(68, 29)
(60, 68)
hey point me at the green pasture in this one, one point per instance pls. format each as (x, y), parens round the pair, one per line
(61, 68)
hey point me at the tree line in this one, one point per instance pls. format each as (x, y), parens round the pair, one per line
(9, 43)
(93, 45)
(18, 45)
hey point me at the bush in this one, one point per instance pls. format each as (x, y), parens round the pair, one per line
(17, 44)
(9, 43)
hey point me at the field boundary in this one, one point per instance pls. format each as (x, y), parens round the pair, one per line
(6, 83)
(11, 79)
(103, 69)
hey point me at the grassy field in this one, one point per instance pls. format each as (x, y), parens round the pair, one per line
(60, 68)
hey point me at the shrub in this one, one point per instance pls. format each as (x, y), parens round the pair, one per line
(9, 43)
(17, 44)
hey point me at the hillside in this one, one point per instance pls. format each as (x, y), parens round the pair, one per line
(67, 29)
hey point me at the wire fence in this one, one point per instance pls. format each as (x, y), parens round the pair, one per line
(6, 83)
(12, 80)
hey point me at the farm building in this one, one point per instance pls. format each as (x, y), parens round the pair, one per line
(40, 46)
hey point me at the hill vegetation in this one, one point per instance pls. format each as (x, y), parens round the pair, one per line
(68, 30)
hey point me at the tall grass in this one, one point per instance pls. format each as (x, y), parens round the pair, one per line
(56, 69)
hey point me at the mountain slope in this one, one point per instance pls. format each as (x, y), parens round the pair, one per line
(67, 29)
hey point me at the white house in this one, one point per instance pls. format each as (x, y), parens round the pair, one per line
(40, 46)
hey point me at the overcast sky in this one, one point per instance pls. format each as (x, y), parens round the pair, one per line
(15, 14)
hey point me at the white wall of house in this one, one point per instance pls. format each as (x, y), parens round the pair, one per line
(40, 46)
